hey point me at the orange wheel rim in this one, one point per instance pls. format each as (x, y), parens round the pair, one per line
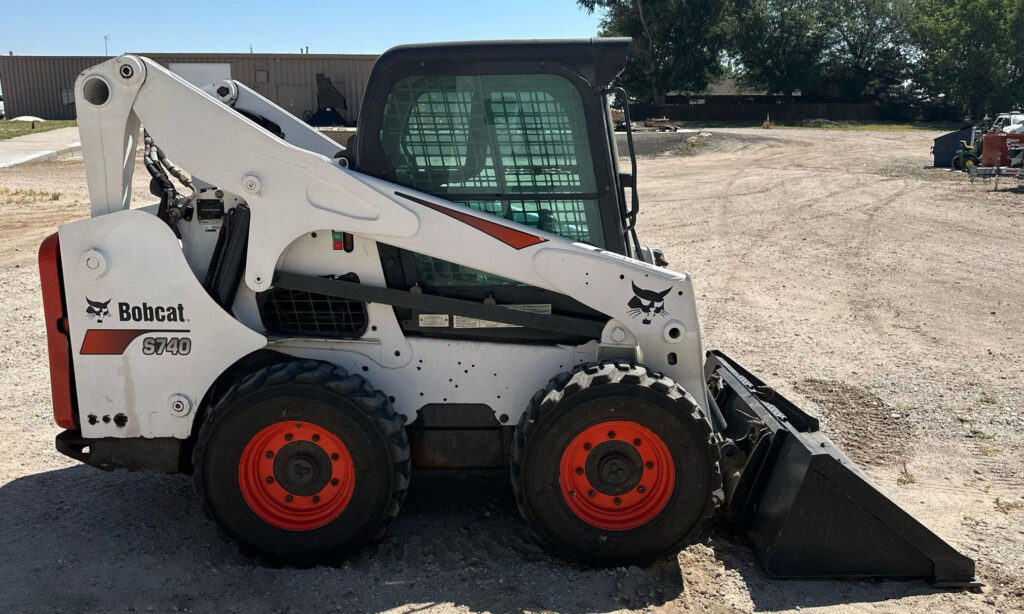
(616, 475)
(296, 475)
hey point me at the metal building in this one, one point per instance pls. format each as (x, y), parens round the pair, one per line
(44, 85)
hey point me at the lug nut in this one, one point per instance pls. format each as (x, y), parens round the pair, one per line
(334, 481)
(287, 436)
(636, 442)
(288, 498)
(649, 465)
(611, 434)
(335, 456)
(316, 438)
(641, 489)
(579, 470)
(592, 494)
(586, 446)
(617, 501)
(270, 454)
(316, 499)
(270, 480)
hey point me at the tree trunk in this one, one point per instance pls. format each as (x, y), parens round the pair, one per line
(657, 92)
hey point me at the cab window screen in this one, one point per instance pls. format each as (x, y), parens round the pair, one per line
(514, 146)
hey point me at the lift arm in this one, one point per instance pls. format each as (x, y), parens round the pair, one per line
(292, 190)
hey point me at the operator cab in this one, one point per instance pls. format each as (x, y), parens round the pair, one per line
(519, 130)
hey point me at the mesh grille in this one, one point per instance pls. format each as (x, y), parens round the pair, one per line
(294, 312)
(514, 146)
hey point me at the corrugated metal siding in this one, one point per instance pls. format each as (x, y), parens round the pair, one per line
(32, 84)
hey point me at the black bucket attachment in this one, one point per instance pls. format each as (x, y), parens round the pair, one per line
(809, 511)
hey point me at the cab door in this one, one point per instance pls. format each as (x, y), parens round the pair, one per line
(523, 141)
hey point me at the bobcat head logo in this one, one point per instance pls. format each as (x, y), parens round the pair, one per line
(97, 310)
(647, 303)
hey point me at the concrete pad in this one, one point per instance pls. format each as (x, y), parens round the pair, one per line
(40, 146)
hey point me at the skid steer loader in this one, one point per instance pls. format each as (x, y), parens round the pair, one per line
(298, 324)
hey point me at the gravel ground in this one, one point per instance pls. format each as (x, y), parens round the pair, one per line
(883, 297)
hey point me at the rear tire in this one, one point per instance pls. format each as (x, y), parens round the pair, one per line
(613, 464)
(302, 463)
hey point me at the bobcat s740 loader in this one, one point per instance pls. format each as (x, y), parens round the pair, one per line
(298, 324)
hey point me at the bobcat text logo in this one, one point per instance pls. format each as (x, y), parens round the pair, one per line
(145, 312)
(647, 303)
(97, 310)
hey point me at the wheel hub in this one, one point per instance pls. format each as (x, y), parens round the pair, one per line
(617, 475)
(614, 467)
(296, 476)
(302, 468)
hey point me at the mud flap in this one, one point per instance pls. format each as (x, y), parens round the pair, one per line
(807, 509)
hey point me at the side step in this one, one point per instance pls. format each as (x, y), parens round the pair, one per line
(807, 508)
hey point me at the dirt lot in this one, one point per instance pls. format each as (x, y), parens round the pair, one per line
(885, 298)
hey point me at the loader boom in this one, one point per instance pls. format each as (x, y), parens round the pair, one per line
(293, 192)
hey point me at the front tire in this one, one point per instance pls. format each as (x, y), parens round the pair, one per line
(613, 464)
(302, 463)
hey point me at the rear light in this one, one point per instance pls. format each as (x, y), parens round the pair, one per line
(57, 340)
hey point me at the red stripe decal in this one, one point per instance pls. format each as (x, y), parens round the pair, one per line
(509, 236)
(114, 342)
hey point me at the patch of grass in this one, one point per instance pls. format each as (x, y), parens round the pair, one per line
(824, 124)
(980, 434)
(988, 450)
(1008, 506)
(906, 478)
(10, 129)
(25, 197)
(693, 143)
(879, 126)
(988, 399)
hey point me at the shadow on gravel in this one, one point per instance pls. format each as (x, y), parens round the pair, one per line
(772, 594)
(80, 539)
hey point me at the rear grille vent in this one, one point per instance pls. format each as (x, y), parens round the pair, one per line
(294, 312)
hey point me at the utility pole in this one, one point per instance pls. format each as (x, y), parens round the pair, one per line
(106, 39)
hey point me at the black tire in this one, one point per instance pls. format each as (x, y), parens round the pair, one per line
(322, 396)
(957, 163)
(592, 395)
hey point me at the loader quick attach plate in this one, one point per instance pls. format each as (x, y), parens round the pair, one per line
(808, 510)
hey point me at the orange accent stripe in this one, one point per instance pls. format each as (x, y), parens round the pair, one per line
(509, 236)
(116, 341)
(57, 342)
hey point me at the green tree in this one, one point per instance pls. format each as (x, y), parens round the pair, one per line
(677, 44)
(779, 44)
(867, 43)
(970, 53)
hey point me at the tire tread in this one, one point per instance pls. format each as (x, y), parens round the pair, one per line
(590, 375)
(336, 379)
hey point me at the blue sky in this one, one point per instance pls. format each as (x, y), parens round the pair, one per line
(338, 26)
